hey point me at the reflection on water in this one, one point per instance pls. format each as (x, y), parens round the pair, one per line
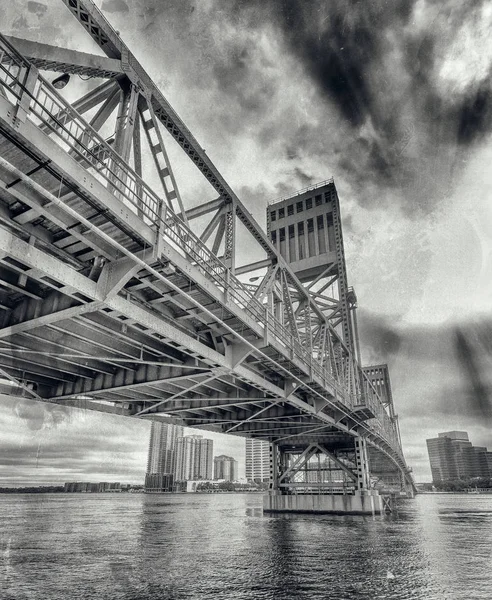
(137, 547)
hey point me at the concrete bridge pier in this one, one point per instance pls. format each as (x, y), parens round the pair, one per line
(340, 485)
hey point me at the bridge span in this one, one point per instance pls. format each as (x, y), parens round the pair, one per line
(126, 298)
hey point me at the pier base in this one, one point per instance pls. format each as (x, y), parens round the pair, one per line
(366, 502)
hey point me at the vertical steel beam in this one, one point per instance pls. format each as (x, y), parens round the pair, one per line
(362, 463)
(137, 160)
(348, 334)
(126, 120)
(230, 237)
(219, 236)
(274, 469)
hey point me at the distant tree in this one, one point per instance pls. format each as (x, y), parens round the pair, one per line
(452, 485)
(227, 486)
(44, 489)
(204, 486)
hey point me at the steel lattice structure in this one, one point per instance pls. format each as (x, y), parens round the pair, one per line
(118, 298)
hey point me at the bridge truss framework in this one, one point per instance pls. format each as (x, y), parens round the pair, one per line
(120, 299)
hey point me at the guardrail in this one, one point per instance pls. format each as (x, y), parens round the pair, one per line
(309, 188)
(51, 112)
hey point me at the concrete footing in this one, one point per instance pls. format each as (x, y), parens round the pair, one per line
(361, 503)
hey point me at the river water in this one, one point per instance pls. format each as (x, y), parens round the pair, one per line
(221, 546)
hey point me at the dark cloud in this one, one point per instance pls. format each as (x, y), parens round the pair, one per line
(112, 6)
(469, 354)
(38, 8)
(39, 415)
(400, 133)
(379, 337)
(338, 43)
(474, 115)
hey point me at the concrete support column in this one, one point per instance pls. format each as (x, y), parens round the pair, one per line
(362, 464)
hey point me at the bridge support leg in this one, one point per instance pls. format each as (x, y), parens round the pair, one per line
(362, 464)
(273, 488)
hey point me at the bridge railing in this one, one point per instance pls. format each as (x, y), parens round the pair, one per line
(382, 424)
(53, 114)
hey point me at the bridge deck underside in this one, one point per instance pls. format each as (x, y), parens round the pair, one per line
(68, 343)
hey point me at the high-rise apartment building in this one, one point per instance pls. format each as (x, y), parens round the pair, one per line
(225, 467)
(452, 456)
(257, 460)
(194, 458)
(162, 456)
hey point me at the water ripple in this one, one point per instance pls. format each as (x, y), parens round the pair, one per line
(220, 547)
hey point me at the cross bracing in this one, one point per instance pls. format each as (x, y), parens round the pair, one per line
(116, 296)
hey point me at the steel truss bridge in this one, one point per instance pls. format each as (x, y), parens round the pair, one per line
(119, 298)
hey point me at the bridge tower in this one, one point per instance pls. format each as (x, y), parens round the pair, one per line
(306, 229)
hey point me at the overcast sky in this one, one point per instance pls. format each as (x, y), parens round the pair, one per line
(391, 98)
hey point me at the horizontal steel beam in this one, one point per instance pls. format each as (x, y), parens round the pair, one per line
(62, 60)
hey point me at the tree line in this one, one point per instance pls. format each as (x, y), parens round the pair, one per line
(459, 485)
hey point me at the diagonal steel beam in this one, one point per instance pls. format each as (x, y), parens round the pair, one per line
(337, 461)
(19, 383)
(67, 313)
(213, 223)
(254, 415)
(300, 461)
(215, 372)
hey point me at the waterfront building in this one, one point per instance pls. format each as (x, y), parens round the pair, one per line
(89, 487)
(226, 468)
(162, 447)
(161, 463)
(257, 460)
(452, 456)
(194, 458)
(488, 460)
(159, 482)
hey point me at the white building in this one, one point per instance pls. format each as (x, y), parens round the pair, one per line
(225, 468)
(257, 460)
(194, 458)
(162, 447)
